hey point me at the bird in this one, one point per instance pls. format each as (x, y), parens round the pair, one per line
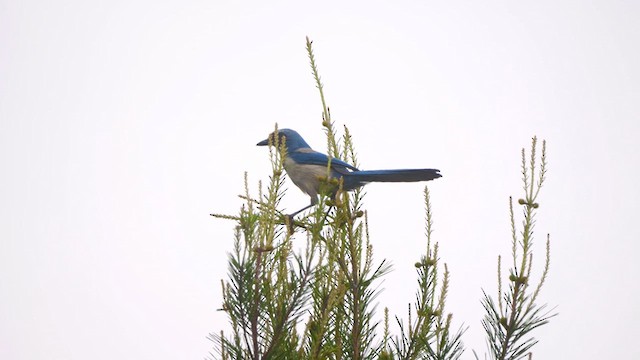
(307, 167)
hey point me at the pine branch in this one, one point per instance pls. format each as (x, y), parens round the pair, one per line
(429, 336)
(508, 324)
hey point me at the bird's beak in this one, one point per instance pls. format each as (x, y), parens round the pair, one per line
(264, 142)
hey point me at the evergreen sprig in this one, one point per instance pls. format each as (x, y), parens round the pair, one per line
(509, 322)
(427, 332)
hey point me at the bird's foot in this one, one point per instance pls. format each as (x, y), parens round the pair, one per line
(290, 223)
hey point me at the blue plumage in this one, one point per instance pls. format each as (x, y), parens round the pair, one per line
(306, 166)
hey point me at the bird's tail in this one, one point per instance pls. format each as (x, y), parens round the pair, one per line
(400, 175)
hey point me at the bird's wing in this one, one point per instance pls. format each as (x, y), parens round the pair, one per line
(308, 156)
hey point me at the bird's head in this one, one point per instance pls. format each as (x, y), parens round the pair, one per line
(291, 139)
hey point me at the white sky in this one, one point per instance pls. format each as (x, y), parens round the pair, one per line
(123, 124)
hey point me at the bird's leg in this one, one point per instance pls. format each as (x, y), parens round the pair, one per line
(289, 219)
(299, 211)
(326, 214)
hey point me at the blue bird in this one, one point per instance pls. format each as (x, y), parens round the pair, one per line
(306, 167)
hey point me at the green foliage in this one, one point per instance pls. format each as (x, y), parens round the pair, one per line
(305, 288)
(509, 322)
(428, 336)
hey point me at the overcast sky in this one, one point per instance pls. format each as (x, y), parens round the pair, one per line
(123, 124)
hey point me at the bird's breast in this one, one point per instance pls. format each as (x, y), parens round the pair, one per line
(305, 176)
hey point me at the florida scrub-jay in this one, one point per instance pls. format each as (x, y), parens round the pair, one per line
(306, 167)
